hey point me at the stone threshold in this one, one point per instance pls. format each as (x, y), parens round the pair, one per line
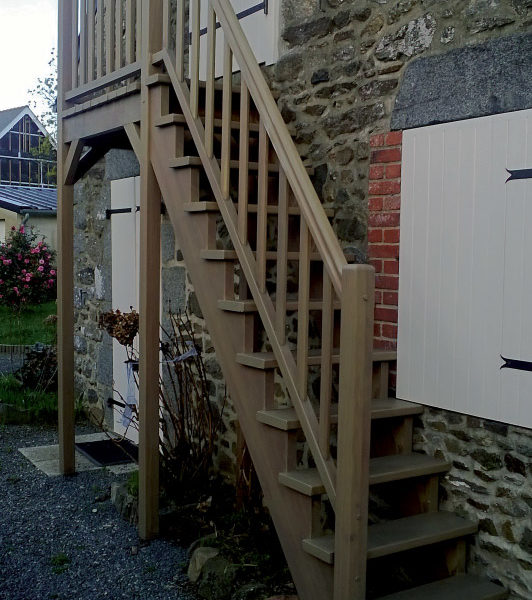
(46, 458)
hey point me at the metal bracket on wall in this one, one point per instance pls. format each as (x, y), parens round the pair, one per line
(117, 211)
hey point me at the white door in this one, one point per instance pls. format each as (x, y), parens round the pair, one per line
(465, 291)
(260, 22)
(2, 230)
(125, 196)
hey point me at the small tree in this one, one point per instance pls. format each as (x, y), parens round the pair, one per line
(44, 97)
(27, 273)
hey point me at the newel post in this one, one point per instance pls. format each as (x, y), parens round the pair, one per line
(65, 247)
(354, 429)
(150, 280)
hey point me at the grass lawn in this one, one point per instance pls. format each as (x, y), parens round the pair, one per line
(28, 327)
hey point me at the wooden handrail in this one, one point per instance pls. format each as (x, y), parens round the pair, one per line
(289, 158)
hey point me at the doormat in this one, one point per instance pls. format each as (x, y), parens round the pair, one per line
(105, 453)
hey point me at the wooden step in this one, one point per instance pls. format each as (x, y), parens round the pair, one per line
(399, 535)
(381, 470)
(203, 206)
(286, 419)
(184, 162)
(266, 360)
(217, 254)
(460, 587)
(249, 306)
(177, 119)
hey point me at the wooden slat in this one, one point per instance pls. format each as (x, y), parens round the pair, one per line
(225, 164)
(65, 255)
(326, 364)
(194, 56)
(150, 279)
(209, 92)
(180, 40)
(110, 35)
(262, 207)
(303, 312)
(91, 46)
(282, 255)
(119, 56)
(74, 45)
(166, 24)
(83, 43)
(100, 41)
(130, 31)
(138, 30)
(354, 419)
(243, 156)
(105, 81)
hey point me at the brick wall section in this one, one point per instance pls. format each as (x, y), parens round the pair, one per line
(383, 232)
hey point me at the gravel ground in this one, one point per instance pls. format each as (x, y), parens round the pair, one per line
(61, 538)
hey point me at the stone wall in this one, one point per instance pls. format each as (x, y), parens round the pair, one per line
(342, 65)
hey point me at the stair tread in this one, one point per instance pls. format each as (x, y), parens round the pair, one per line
(381, 470)
(286, 418)
(220, 254)
(249, 306)
(400, 535)
(459, 587)
(195, 161)
(207, 206)
(177, 119)
(266, 360)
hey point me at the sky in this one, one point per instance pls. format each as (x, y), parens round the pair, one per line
(28, 32)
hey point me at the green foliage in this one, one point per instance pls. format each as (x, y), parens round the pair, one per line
(60, 563)
(133, 484)
(42, 406)
(46, 151)
(44, 97)
(27, 273)
(32, 325)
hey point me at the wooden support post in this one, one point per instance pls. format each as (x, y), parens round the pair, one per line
(150, 301)
(354, 427)
(65, 255)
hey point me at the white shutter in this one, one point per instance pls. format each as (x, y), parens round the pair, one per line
(465, 291)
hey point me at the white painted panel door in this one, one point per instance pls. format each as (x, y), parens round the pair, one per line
(125, 194)
(465, 288)
(260, 22)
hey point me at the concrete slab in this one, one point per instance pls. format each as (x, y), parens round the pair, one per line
(46, 458)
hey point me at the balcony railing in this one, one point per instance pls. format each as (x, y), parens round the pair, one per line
(32, 172)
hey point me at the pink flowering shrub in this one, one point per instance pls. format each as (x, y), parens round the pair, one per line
(27, 272)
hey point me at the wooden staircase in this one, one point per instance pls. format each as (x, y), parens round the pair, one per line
(293, 494)
(360, 519)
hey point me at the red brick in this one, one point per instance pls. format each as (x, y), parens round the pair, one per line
(378, 297)
(376, 172)
(386, 188)
(390, 155)
(387, 282)
(394, 138)
(392, 171)
(386, 314)
(391, 236)
(376, 141)
(389, 331)
(390, 298)
(391, 267)
(375, 235)
(375, 204)
(376, 330)
(392, 203)
(375, 263)
(384, 220)
(384, 250)
(385, 344)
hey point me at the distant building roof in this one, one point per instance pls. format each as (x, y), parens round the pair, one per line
(11, 116)
(27, 199)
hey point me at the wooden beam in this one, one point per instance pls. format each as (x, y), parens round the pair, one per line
(65, 254)
(89, 159)
(354, 427)
(72, 161)
(150, 280)
(133, 134)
